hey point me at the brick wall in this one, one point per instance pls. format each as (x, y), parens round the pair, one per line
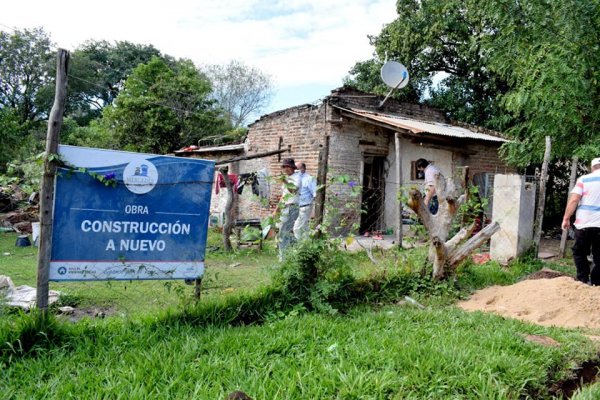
(485, 158)
(345, 97)
(302, 128)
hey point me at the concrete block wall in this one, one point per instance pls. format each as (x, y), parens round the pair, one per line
(514, 210)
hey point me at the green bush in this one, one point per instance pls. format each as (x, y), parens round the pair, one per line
(26, 172)
(315, 273)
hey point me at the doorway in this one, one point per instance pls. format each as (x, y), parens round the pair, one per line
(373, 189)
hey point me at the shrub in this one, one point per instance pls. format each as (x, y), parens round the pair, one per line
(315, 273)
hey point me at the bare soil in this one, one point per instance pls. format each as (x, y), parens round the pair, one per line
(548, 299)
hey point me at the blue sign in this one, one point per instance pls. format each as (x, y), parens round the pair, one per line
(147, 220)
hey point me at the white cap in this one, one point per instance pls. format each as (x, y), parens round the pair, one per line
(595, 161)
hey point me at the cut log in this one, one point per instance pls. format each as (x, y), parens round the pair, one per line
(459, 254)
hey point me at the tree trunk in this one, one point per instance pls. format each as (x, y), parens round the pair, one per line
(537, 235)
(443, 253)
(321, 186)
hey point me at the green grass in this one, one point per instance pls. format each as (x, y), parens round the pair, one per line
(588, 393)
(242, 270)
(394, 353)
(246, 336)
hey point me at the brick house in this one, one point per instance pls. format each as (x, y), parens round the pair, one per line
(362, 147)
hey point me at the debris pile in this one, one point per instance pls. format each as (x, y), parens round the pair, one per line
(21, 296)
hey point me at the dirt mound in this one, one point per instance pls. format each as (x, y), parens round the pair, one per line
(560, 301)
(546, 273)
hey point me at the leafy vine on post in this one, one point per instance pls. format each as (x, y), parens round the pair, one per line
(107, 179)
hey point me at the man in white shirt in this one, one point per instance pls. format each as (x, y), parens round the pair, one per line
(288, 203)
(431, 172)
(308, 191)
(585, 199)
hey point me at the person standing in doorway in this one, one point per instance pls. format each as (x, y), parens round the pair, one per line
(288, 203)
(585, 203)
(431, 172)
(308, 192)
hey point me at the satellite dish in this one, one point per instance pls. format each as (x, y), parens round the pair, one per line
(394, 74)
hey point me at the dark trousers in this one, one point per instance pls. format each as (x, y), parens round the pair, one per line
(586, 239)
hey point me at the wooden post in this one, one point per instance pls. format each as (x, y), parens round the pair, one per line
(542, 197)
(197, 288)
(47, 190)
(399, 177)
(563, 236)
(321, 183)
(228, 223)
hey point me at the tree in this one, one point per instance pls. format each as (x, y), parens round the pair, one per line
(438, 39)
(162, 108)
(528, 68)
(98, 71)
(240, 90)
(26, 63)
(548, 53)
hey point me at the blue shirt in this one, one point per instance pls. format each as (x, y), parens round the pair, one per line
(308, 189)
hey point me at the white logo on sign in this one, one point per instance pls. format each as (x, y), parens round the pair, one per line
(140, 176)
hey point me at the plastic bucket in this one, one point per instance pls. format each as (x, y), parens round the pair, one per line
(23, 241)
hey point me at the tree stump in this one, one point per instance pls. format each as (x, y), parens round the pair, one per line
(444, 253)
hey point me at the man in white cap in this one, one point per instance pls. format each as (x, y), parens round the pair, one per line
(585, 198)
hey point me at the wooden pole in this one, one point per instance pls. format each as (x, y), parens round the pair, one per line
(542, 197)
(198, 288)
(228, 223)
(321, 183)
(47, 190)
(252, 156)
(399, 177)
(563, 236)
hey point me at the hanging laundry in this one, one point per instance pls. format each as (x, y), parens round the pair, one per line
(221, 182)
(243, 181)
(255, 185)
(264, 190)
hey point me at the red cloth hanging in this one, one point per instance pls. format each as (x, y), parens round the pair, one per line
(221, 182)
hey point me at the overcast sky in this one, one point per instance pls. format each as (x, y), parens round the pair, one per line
(307, 46)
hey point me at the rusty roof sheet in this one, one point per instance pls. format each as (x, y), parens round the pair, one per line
(416, 126)
(214, 149)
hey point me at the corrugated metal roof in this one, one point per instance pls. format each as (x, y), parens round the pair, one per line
(416, 126)
(215, 149)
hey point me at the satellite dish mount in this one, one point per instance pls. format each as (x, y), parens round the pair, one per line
(395, 75)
